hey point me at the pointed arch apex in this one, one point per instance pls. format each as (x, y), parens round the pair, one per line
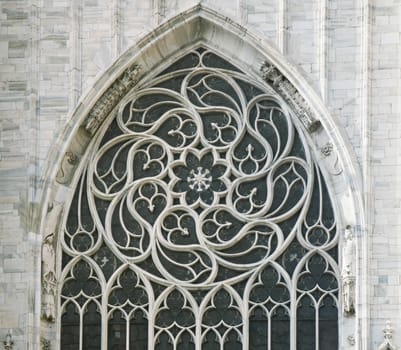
(202, 27)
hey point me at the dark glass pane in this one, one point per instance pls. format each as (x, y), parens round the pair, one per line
(320, 275)
(173, 83)
(292, 256)
(106, 260)
(249, 90)
(188, 61)
(306, 337)
(233, 341)
(80, 222)
(164, 342)
(92, 328)
(212, 60)
(328, 324)
(186, 342)
(82, 281)
(128, 291)
(177, 316)
(70, 328)
(116, 335)
(65, 259)
(210, 341)
(258, 330)
(139, 331)
(280, 329)
(113, 131)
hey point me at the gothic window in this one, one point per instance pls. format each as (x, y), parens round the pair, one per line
(200, 221)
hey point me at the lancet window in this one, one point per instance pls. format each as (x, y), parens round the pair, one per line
(200, 221)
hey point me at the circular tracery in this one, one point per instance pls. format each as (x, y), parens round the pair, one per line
(201, 181)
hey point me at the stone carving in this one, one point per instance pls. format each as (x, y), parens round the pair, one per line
(290, 94)
(388, 336)
(111, 97)
(68, 163)
(328, 152)
(348, 275)
(49, 282)
(45, 344)
(351, 340)
(348, 291)
(8, 343)
(193, 213)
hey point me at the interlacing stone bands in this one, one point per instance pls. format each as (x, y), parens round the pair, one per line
(201, 221)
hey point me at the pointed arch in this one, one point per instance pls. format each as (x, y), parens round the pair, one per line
(155, 52)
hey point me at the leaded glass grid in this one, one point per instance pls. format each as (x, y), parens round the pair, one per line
(200, 221)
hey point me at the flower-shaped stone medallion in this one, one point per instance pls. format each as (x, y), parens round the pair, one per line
(200, 177)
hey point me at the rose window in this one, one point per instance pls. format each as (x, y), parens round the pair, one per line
(200, 221)
(201, 179)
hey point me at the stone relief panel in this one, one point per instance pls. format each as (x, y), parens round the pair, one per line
(291, 95)
(348, 272)
(67, 167)
(49, 279)
(111, 97)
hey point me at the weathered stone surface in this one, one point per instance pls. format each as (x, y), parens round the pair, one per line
(52, 52)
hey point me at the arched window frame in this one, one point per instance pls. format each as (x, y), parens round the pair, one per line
(162, 47)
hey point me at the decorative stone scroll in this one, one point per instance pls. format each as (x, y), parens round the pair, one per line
(348, 275)
(330, 154)
(290, 94)
(388, 336)
(68, 164)
(111, 97)
(49, 282)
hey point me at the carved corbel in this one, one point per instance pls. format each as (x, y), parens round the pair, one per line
(348, 272)
(8, 342)
(290, 94)
(68, 164)
(351, 340)
(45, 344)
(49, 281)
(330, 153)
(388, 336)
(110, 98)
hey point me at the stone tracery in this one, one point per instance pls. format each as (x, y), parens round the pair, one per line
(202, 181)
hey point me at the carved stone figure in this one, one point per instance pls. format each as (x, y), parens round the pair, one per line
(111, 97)
(348, 291)
(349, 248)
(49, 281)
(8, 343)
(68, 163)
(327, 150)
(45, 344)
(388, 335)
(351, 340)
(290, 94)
(271, 73)
(348, 275)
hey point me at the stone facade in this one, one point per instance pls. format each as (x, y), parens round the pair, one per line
(57, 59)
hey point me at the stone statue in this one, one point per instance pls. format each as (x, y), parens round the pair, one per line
(388, 338)
(348, 275)
(49, 281)
(348, 291)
